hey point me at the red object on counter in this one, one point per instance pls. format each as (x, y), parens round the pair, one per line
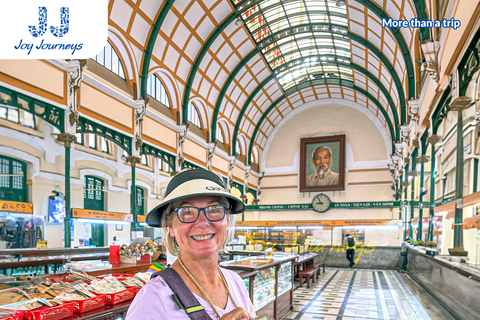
(114, 256)
(51, 313)
(124, 295)
(17, 316)
(85, 305)
(119, 276)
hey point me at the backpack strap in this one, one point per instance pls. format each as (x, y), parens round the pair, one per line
(182, 296)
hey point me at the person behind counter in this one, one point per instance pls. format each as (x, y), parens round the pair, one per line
(196, 214)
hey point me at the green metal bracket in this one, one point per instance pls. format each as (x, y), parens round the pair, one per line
(88, 126)
(147, 149)
(49, 113)
(189, 165)
(238, 186)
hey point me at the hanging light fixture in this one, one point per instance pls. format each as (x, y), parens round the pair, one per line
(340, 3)
(239, 22)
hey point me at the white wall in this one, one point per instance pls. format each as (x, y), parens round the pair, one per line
(123, 236)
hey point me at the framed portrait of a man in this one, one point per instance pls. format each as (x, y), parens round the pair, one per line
(322, 163)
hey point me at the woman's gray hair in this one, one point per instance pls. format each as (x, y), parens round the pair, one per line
(171, 243)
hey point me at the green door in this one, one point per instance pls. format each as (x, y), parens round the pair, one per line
(97, 234)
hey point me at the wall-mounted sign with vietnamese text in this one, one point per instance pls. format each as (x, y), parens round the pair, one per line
(103, 215)
(13, 206)
(333, 205)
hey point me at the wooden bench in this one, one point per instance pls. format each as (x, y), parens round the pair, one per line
(307, 273)
(319, 265)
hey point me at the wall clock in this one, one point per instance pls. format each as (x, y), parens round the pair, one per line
(321, 202)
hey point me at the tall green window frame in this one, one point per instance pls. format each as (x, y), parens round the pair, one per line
(13, 185)
(108, 58)
(93, 194)
(139, 203)
(156, 90)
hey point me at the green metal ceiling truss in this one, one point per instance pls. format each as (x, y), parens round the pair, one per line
(219, 30)
(305, 28)
(85, 125)
(49, 113)
(394, 133)
(241, 8)
(397, 34)
(356, 38)
(198, 61)
(305, 85)
(150, 150)
(147, 57)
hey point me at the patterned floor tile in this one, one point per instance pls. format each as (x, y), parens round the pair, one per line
(345, 294)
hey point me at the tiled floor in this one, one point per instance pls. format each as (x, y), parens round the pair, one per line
(343, 294)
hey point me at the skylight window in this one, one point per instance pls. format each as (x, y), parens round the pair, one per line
(299, 38)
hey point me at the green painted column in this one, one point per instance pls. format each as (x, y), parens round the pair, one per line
(432, 196)
(458, 231)
(67, 139)
(132, 160)
(68, 212)
(133, 195)
(420, 200)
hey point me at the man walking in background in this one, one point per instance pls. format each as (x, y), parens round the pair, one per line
(350, 241)
(404, 253)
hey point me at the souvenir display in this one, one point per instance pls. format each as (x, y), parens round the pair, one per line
(264, 288)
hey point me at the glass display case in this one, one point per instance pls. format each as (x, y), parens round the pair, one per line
(285, 278)
(269, 280)
(264, 285)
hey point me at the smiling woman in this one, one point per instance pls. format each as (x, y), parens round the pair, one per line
(196, 214)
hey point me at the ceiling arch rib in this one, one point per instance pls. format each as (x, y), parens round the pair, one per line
(147, 56)
(188, 87)
(339, 60)
(308, 28)
(269, 20)
(227, 83)
(398, 11)
(355, 88)
(392, 126)
(318, 78)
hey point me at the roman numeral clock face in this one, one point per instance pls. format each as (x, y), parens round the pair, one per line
(321, 202)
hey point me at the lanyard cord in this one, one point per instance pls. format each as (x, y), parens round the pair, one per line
(201, 290)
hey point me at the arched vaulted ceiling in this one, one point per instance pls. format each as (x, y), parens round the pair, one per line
(252, 62)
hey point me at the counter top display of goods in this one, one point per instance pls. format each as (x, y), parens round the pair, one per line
(72, 296)
(269, 280)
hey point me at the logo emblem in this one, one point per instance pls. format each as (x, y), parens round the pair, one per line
(53, 29)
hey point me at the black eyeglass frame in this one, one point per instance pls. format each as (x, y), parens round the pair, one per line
(225, 208)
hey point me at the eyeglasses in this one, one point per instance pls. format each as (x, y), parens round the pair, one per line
(190, 214)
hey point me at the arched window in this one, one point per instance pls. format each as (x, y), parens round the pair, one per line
(193, 115)
(140, 204)
(108, 58)
(12, 180)
(93, 193)
(255, 156)
(156, 90)
(237, 148)
(219, 135)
